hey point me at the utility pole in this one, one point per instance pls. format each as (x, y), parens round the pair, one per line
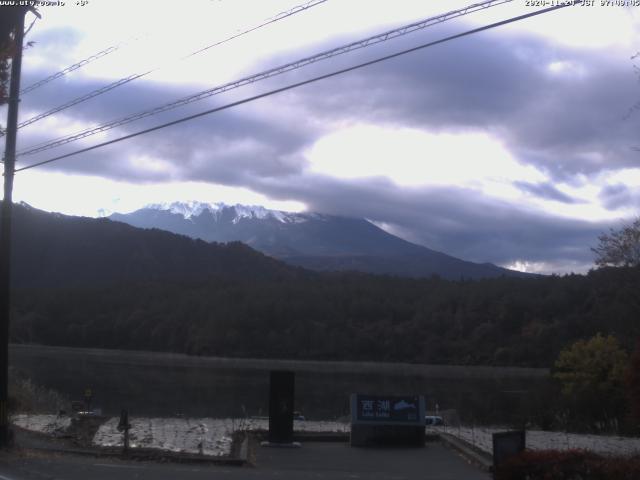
(5, 225)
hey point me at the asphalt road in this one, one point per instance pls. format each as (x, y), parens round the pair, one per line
(313, 461)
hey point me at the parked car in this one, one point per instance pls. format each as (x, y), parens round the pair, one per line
(430, 420)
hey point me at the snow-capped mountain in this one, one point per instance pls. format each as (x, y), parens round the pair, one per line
(311, 240)
(192, 209)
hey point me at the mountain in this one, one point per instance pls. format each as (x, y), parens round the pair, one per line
(311, 240)
(50, 249)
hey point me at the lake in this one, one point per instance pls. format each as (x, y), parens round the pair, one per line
(164, 384)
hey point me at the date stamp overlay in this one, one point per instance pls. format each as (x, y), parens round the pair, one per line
(581, 3)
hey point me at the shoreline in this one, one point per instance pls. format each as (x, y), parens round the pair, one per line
(319, 366)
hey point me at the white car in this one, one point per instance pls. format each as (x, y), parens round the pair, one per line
(433, 420)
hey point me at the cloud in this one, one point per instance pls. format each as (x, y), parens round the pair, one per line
(50, 51)
(458, 221)
(563, 120)
(619, 195)
(567, 121)
(545, 190)
(224, 147)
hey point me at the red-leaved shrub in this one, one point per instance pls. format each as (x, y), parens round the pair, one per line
(568, 465)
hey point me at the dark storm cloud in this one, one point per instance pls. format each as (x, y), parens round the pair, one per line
(132, 97)
(224, 147)
(461, 222)
(619, 195)
(219, 155)
(546, 190)
(568, 119)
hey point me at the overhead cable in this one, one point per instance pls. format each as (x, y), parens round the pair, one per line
(71, 68)
(135, 76)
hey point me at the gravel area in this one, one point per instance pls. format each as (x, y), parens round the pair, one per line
(213, 436)
(481, 437)
(202, 436)
(206, 436)
(49, 424)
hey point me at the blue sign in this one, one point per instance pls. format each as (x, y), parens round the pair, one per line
(387, 409)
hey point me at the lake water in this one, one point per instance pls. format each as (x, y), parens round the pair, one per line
(159, 384)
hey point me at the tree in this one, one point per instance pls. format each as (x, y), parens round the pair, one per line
(6, 50)
(592, 376)
(8, 20)
(9, 17)
(619, 248)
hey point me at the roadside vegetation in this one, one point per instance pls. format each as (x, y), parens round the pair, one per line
(568, 465)
(27, 397)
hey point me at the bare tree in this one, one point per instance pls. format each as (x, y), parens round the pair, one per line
(619, 248)
(9, 16)
(7, 22)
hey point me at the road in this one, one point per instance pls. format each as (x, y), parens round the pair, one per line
(330, 461)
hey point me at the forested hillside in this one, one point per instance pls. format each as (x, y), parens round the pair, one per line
(96, 283)
(341, 316)
(56, 251)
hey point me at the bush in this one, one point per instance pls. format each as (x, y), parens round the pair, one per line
(26, 397)
(592, 376)
(568, 465)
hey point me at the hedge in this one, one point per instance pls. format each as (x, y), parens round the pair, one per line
(568, 465)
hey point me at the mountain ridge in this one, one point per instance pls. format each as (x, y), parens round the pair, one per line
(311, 240)
(56, 250)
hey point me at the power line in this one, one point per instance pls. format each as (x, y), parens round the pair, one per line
(130, 78)
(275, 18)
(300, 84)
(71, 68)
(81, 99)
(382, 37)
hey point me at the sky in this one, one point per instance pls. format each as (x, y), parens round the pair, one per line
(516, 146)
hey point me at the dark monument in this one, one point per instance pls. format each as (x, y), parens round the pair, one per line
(281, 398)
